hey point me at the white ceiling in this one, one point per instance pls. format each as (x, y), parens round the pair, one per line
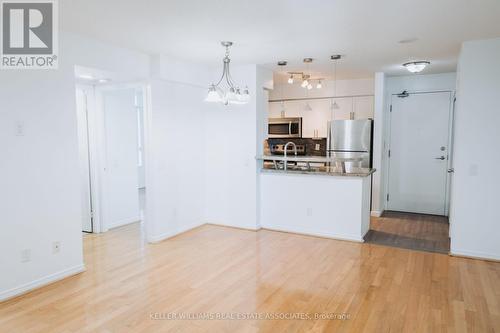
(366, 32)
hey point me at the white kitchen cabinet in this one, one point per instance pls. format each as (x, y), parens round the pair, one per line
(344, 110)
(314, 122)
(363, 107)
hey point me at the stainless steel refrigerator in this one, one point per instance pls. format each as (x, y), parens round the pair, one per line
(351, 142)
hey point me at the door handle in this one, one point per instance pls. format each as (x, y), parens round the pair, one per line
(442, 158)
(451, 170)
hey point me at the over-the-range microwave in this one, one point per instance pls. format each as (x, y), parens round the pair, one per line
(285, 127)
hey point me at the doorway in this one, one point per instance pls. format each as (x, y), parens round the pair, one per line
(111, 135)
(420, 125)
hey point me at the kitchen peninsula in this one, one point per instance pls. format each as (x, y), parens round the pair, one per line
(326, 201)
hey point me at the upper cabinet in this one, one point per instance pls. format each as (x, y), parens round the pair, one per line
(314, 121)
(363, 107)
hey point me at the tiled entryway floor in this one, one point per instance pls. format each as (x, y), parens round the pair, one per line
(410, 231)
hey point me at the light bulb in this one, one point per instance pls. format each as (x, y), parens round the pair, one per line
(319, 85)
(290, 79)
(213, 95)
(309, 86)
(304, 83)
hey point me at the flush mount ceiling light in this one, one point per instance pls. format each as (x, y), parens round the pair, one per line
(416, 66)
(232, 94)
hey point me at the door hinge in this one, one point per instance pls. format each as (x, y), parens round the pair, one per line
(390, 108)
(92, 214)
(389, 153)
(387, 196)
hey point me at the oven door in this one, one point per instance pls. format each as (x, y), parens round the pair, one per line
(285, 128)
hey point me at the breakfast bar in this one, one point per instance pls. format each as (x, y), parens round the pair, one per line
(315, 196)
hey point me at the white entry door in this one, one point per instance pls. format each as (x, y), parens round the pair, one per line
(121, 196)
(419, 153)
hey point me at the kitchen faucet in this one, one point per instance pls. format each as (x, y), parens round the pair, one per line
(285, 151)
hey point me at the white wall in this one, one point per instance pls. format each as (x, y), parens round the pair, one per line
(231, 146)
(475, 217)
(40, 195)
(175, 134)
(378, 145)
(395, 85)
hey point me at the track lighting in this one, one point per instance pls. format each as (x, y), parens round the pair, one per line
(290, 79)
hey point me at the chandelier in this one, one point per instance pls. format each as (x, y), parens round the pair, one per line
(232, 94)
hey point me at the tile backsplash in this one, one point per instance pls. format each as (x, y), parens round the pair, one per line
(314, 147)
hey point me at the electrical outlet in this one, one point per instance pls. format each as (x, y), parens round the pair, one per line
(56, 247)
(26, 255)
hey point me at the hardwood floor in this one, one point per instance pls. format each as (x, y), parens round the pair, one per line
(410, 231)
(223, 270)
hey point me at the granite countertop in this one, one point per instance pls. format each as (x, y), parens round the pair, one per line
(325, 171)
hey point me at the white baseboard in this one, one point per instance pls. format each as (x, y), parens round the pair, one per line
(376, 213)
(167, 235)
(299, 231)
(27, 287)
(123, 222)
(257, 228)
(474, 254)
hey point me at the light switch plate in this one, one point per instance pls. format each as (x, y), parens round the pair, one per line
(19, 128)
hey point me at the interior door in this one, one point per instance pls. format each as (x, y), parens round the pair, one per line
(419, 153)
(121, 195)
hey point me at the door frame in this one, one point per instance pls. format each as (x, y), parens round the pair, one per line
(97, 140)
(91, 156)
(449, 161)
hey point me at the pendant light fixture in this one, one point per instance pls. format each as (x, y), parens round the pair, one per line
(283, 109)
(307, 107)
(232, 94)
(305, 82)
(416, 66)
(334, 105)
